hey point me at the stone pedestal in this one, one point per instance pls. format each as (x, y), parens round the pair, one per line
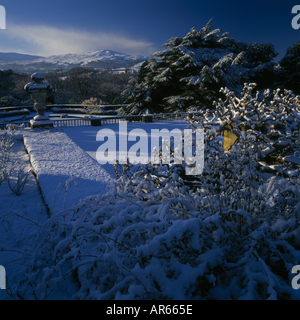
(96, 122)
(39, 91)
(41, 124)
(147, 118)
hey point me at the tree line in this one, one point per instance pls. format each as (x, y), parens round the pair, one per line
(69, 86)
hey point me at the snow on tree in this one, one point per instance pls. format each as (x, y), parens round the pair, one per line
(137, 96)
(290, 66)
(191, 70)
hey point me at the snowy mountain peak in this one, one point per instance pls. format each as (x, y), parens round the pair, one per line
(97, 59)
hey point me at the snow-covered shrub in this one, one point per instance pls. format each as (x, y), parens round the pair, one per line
(17, 185)
(7, 167)
(151, 237)
(91, 105)
(65, 187)
(6, 142)
(233, 180)
(275, 117)
(272, 119)
(91, 102)
(9, 101)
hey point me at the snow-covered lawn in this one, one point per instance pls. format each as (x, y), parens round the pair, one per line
(85, 137)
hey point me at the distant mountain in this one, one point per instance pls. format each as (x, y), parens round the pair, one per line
(12, 56)
(94, 59)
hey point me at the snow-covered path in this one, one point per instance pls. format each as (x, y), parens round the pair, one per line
(56, 159)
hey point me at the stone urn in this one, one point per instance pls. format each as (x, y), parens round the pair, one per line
(39, 90)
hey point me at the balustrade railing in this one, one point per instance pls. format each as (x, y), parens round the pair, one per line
(98, 121)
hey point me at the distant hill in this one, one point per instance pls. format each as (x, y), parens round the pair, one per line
(12, 56)
(98, 59)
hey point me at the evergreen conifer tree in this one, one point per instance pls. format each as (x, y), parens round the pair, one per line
(191, 70)
(290, 66)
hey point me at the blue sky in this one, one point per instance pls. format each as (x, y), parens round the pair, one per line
(138, 26)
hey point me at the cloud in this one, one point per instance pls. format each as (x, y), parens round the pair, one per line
(47, 40)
